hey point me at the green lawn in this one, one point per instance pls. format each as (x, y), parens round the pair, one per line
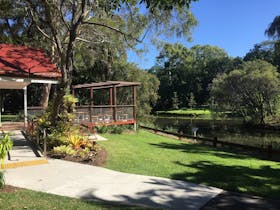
(9, 117)
(150, 154)
(27, 199)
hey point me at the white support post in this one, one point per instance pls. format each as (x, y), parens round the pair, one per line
(25, 106)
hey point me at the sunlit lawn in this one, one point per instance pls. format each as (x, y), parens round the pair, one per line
(9, 117)
(150, 154)
(188, 112)
(27, 199)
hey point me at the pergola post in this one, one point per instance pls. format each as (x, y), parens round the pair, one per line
(111, 100)
(115, 103)
(25, 105)
(134, 107)
(91, 104)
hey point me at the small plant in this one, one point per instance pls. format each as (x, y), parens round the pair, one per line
(64, 150)
(75, 140)
(5, 145)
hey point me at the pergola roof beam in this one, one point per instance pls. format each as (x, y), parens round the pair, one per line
(107, 84)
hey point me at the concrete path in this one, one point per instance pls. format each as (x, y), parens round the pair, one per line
(23, 152)
(89, 182)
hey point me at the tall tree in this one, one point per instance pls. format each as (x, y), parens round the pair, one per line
(252, 90)
(273, 29)
(65, 22)
(188, 72)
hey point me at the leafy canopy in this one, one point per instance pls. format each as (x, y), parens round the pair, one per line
(252, 89)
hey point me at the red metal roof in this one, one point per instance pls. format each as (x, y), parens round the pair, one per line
(24, 61)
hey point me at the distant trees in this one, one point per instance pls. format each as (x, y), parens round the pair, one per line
(188, 73)
(253, 90)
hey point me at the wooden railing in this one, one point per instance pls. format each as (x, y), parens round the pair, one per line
(104, 113)
(34, 111)
(94, 114)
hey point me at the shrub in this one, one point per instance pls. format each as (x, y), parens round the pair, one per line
(117, 129)
(2, 180)
(102, 129)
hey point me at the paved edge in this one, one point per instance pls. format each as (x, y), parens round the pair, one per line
(24, 163)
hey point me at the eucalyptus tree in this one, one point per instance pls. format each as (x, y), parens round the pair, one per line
(65, 23)
(273, 29)
(70, 21)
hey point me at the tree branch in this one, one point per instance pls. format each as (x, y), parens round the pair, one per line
(112, 28)
(83, 40)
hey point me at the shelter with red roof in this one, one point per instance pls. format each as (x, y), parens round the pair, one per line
(23, 65)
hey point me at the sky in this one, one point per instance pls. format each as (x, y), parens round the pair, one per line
(233, 25)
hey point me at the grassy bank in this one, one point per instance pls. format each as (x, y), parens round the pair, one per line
(27, 199)
(150, 154)
(9, 117)
(187, 112)
(199, 114)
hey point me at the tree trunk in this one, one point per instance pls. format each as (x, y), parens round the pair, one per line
(57, 105)
(45, 95)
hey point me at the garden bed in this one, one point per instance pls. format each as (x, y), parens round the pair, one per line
(92, 158)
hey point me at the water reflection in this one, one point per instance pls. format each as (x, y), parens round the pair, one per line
(227, 130)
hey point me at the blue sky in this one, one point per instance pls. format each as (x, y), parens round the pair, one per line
(233, 25)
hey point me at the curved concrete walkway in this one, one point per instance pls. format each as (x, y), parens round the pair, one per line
(89, 182)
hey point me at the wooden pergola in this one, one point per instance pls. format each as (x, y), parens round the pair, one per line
(112, 114)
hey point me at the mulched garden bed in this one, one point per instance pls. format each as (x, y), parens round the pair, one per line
(97, 160)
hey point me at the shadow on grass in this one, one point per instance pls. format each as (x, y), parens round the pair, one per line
(223, 152)
(201, 149)
(263, 181)
(161, 193)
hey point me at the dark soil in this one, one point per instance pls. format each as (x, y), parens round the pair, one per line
(8, 189)
(101, 157)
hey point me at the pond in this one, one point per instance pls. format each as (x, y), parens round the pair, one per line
(226, 130)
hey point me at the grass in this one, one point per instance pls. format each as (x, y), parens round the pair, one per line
(199, 114)
(187, 112)
(27, 199)
(150, 154)
(9, 117)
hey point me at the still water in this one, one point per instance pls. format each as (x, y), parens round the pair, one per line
(226, 130)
